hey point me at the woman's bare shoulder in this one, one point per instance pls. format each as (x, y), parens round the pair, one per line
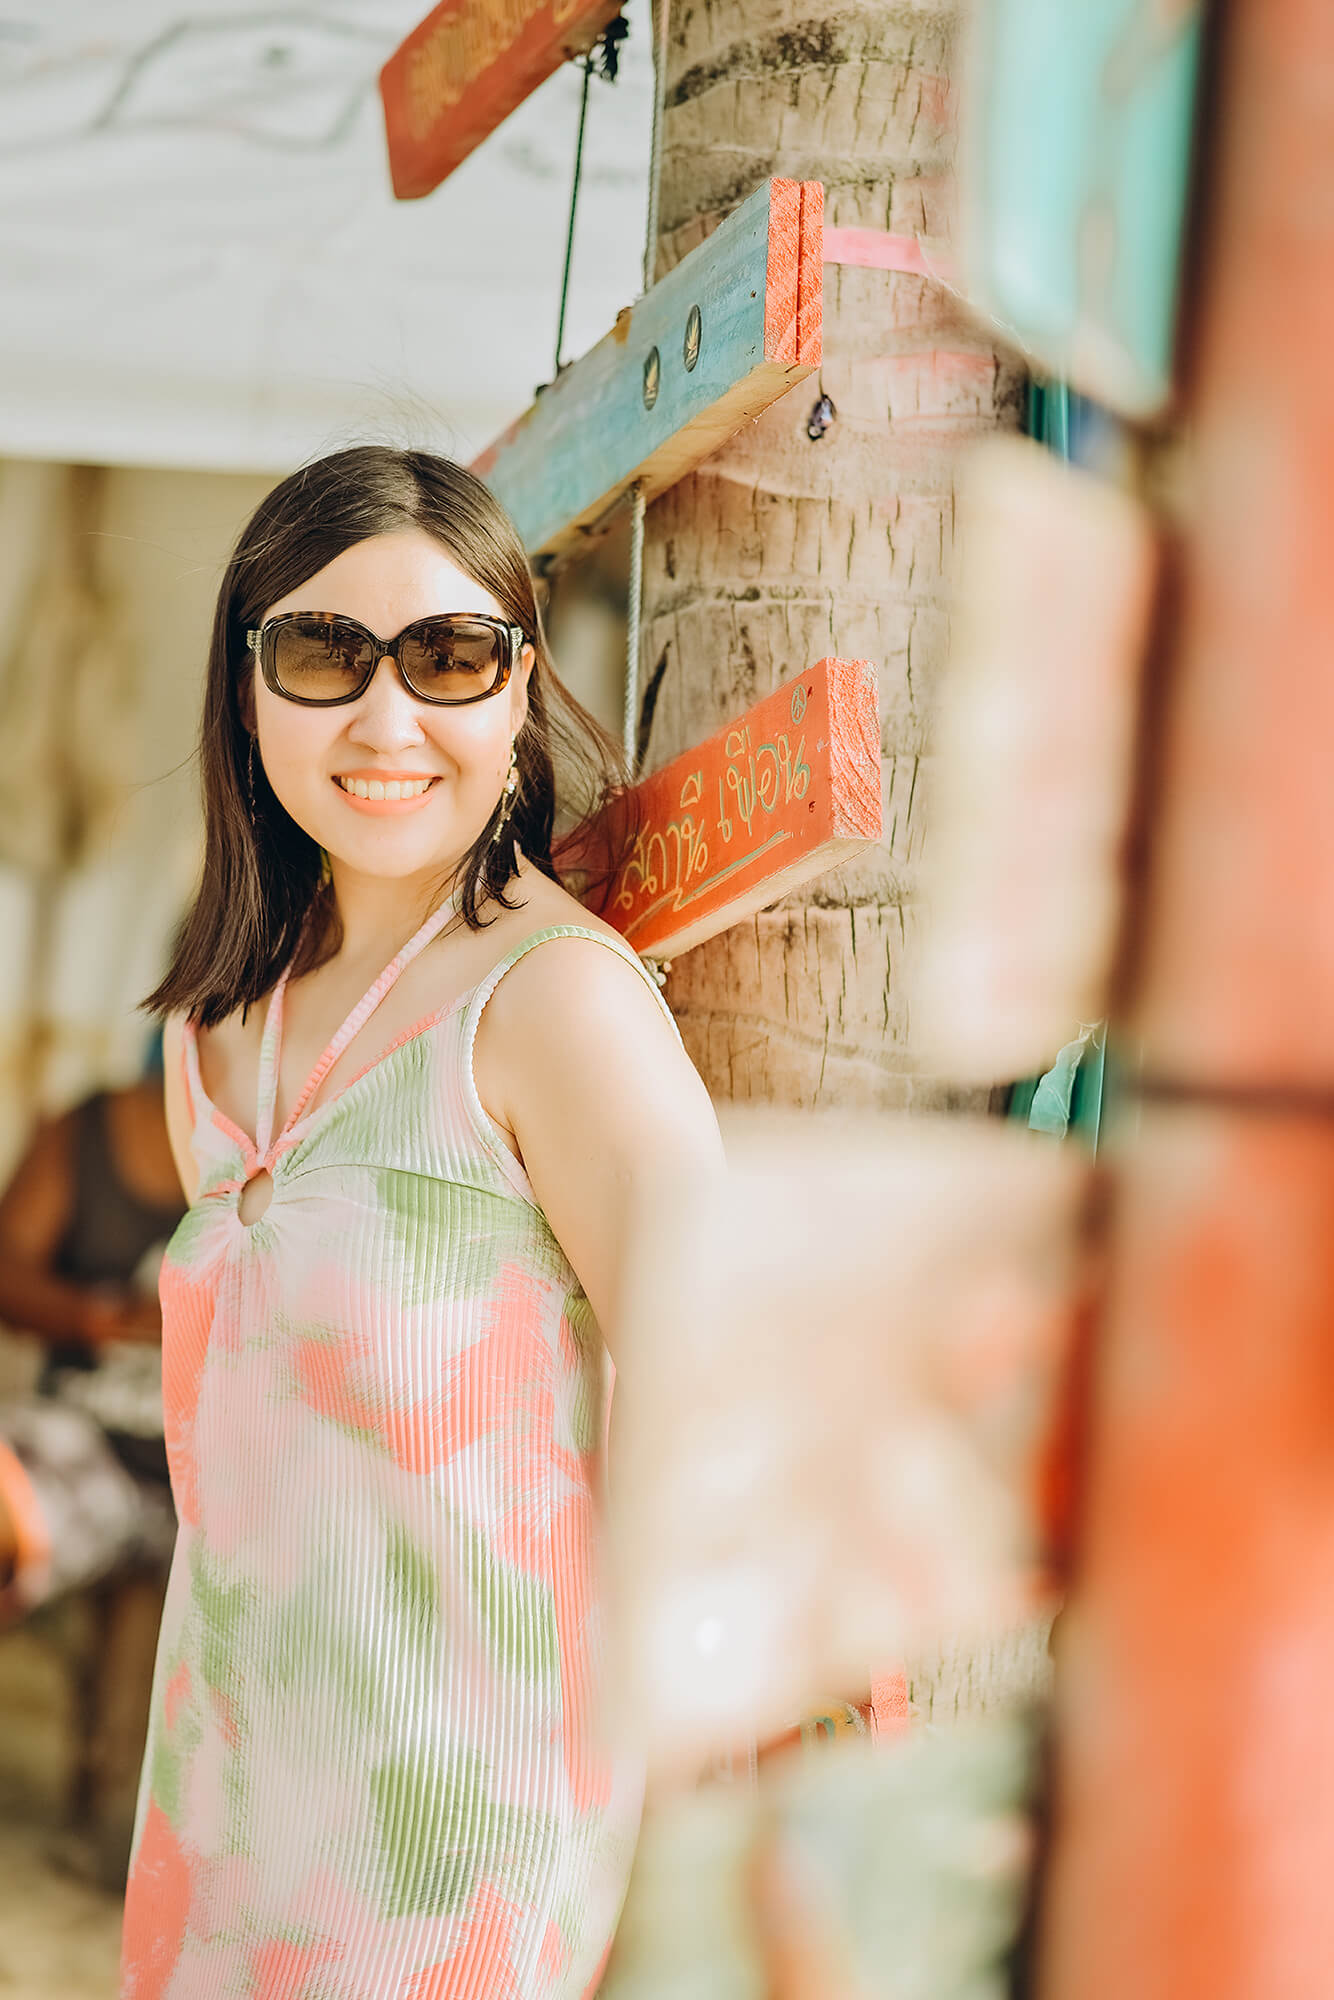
(570, 986)
(542, 904)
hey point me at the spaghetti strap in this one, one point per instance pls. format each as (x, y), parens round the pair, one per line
(501, 1157)
(608, 938)
(270, 1055)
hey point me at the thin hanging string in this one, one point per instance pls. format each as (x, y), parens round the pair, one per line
(654, 165)
(635, 608)
(574, 204)
(634, 614)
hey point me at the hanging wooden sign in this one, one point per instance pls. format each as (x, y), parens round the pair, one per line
(781, 795)
(1074, 171)
(465, 68)
(711, 345)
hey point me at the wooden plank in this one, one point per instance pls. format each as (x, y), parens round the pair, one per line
(1075, 167)
(848, 1876)
(1239, 961)
(463, 70)
(1035, 774)
(567, 462)
(1195, 1764)
(810, 275)
(760, 1559)
(779, 796)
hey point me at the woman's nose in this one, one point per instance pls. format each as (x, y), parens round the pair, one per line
(386, 716)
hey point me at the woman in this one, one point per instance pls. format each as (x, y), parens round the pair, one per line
(373, 1767)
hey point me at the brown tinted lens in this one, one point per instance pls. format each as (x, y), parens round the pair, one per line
(321, 659)
(452, 659)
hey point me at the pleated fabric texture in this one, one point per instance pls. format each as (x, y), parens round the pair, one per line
(373, 1769)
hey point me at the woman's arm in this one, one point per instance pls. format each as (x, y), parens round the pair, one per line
(576, 1058)
(175, 1106)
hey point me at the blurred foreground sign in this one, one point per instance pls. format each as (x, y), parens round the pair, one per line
(465, 68)
(1074, 178)
(831, 1416)
(1035, 778)
(781, 795)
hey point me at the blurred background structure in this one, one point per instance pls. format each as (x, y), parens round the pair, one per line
(1021, 1381)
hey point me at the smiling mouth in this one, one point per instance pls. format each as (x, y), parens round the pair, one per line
(385, 788)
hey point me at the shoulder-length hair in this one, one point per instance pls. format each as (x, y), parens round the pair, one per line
(261, 900)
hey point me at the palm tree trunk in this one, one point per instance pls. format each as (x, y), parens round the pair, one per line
(781, 550)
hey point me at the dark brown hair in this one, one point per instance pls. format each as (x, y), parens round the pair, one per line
(261, 900)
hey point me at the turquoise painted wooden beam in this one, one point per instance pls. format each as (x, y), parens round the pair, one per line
(715, 342)
(1079, 125)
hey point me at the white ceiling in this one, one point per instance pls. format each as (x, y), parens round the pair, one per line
(201, 262)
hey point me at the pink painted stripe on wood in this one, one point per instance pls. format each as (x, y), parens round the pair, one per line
(880, 250)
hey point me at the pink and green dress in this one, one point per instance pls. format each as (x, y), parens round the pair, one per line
(373, 1767)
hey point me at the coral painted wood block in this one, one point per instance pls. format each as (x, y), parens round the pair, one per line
(1196, 1761)
(1076, 167)
(463, 70)
(1239, 962)
(1036, 760)
(779, 796)
(717, 340)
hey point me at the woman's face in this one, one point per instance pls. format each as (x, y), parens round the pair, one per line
(387, 735)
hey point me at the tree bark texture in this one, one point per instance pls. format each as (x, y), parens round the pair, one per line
(781, 550)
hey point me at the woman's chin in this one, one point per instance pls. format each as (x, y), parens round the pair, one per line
(394, 856)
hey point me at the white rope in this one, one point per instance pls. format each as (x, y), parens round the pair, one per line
(634, 611)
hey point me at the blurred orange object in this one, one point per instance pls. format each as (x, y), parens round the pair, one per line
(1195, 1796)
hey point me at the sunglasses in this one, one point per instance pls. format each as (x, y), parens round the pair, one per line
(321, 658)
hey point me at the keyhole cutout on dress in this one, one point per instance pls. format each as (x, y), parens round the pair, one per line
(255, 1197)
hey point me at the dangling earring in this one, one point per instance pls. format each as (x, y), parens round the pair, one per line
(250, 780)
(507, 796)
(326, 868)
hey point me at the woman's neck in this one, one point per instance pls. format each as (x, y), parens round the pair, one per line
(378, 916)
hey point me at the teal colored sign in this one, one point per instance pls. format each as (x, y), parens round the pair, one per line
(1080, 119)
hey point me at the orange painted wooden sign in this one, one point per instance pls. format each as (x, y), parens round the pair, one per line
(465, 68)
(781, 795)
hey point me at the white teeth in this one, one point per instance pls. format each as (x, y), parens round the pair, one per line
(393, 788)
